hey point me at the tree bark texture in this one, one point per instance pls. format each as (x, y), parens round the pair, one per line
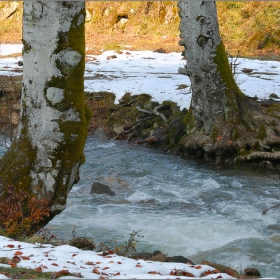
(48, 148)
(207, 66)
(221, 121)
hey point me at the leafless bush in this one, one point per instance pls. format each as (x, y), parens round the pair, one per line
(10, 88)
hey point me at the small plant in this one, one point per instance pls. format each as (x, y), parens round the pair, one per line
(233, 62)
(126, 249)
(48, 236)
(21, 213)
(131, 243)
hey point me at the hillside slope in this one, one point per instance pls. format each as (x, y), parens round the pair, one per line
(249, 27)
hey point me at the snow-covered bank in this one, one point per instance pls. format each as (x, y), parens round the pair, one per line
(92, 265)
(156, 74)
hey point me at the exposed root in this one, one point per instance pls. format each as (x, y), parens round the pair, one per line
(154, 112)
(259, 155)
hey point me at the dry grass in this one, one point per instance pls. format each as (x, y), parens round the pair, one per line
(251, 27)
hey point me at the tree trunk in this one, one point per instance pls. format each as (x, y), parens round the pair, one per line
(221, 122)
(48, 148)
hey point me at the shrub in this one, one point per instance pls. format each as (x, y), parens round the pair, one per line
(21, 213)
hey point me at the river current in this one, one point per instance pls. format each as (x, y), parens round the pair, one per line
(181, 207)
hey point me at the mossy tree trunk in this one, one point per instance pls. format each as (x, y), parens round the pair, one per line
(48, 149)
(221, 122)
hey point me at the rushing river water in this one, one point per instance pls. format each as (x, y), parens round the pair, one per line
(182, 207)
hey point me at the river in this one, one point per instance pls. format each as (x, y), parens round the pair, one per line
(180, 206)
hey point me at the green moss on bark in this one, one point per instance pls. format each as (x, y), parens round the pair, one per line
(16, 164)
(223, 67)
(70, 151)
(20, 160)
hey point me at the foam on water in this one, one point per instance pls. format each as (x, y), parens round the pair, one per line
(172, 233)
(181, 207)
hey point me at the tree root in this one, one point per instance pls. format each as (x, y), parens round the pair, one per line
(259, 155)
(154, 112)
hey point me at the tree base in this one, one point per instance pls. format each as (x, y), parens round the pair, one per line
(254, 139)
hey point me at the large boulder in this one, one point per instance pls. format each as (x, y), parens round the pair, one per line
(179, 259)
(159, 258)
(82, 243)
(100, 134)
(98, 188)
(274, 227)
(252, 273)
(143, 255)
(274, 207)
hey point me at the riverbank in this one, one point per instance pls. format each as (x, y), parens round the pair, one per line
(65, 260)
(114, 82)
(111, 111)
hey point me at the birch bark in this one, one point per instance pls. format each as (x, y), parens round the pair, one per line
(48, 148)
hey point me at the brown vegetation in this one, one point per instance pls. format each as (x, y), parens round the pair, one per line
(251, 27)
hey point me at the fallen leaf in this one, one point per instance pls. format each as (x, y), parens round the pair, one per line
(74, 255)
(98, 262)
(106, 267)
(19, 246)
(110, 252)
(153, 272)
(102, 277)
(219, 277)
(96, 271)
(71, 262)
(116, 274)
(188, 274)
(119, 262)
(111, 261)
(82, 267)
(64, 272)
(38, 269)
(90, 263)
(207, 272)
(54, 264)
(10, 246)
(198, 267)
(44, 266)
(12, 264)
(16, 259)
(25, 258)
(108, 257)
(138, 265)
(17, 253)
